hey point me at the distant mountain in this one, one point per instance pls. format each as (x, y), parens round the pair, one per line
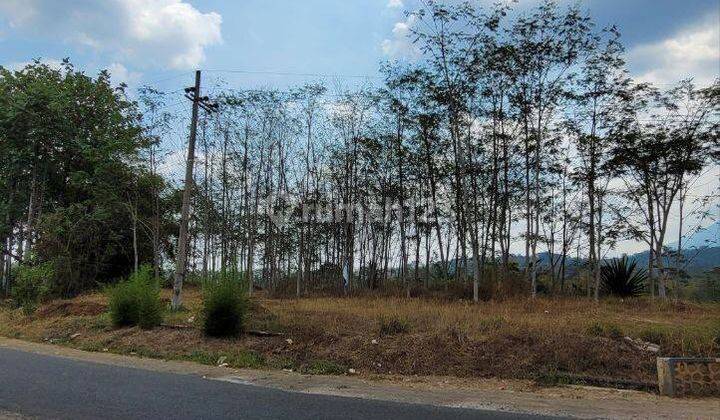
(701, 252)
(708, 236)
(694, 260)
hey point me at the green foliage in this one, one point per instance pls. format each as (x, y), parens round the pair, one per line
(136, 301)
(75, 142)
(325, 367)
(224, 307)
(707, 288)
(393, 326)
(622, 278)
(32, 284)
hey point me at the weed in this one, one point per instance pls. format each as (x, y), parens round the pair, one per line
(599, 329)
(393, 325)
(237, 359)
(490, 324)
(655, 334)
(324, 367)
(280, 362)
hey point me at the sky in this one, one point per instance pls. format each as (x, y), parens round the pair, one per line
(279, 43)
(160, 42)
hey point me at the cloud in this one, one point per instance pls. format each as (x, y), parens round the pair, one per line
(401, 45)
(693, 52)
(148, 33)
(395, 4)
(120, 74)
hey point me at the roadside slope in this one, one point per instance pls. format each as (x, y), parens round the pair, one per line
(573, 401)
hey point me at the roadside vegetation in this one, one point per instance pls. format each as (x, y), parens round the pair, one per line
(550, 341)
(136, 301)
(456, 219)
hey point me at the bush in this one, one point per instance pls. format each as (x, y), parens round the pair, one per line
(32, 285)
(224, 308)
(622, 278)
(136, 301)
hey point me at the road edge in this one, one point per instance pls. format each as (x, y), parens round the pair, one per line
(601, 403)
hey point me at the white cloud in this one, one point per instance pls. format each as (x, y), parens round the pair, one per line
(148, 33)
(401, 45)
(693, 52)
(395, 4)
(120, 74)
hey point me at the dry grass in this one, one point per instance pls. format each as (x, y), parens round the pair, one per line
(546, 340)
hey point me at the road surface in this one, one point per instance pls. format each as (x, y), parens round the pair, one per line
(41, 386)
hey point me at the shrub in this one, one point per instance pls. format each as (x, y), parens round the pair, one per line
(136, 301)
(224, 308)
(622, 278)
(32, 285)
(393, 325)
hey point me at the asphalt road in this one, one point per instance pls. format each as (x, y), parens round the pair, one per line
(35, 385)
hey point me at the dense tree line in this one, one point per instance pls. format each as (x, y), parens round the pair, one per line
(511, 127)
(77, 194)
(511, 131)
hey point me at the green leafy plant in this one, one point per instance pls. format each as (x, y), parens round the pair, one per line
(224, 308)
(32, 285)
(136, 301)
(622, 278)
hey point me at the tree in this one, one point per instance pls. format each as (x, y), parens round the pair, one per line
(75, 166)
(598, 97)
(667, 136)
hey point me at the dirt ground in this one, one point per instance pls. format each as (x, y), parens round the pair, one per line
(542, 342)
(490, 394)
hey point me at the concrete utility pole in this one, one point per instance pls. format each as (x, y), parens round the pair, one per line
(192, 93)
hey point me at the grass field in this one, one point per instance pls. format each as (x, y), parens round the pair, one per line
(547, 340)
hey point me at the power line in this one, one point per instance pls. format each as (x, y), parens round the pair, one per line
(177, 76)
(286, 73)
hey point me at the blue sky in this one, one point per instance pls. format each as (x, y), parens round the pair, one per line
(161, 41)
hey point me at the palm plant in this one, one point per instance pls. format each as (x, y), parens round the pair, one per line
(622, 278)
